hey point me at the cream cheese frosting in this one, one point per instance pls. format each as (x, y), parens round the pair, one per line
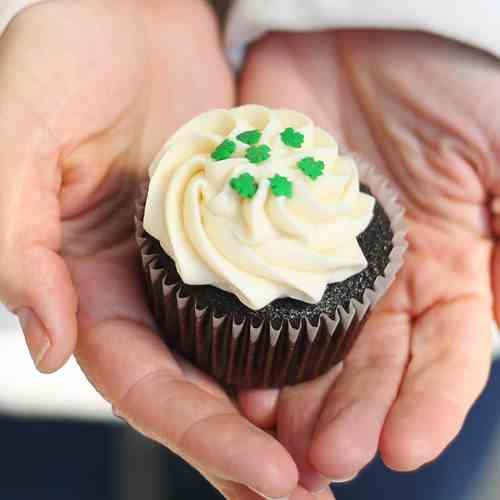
(267, 245)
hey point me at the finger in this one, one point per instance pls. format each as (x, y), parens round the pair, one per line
(124, 297)
(298, 411)
(231, 490)
(347, 432)
(34, 280)
(234, 491)
(137, 374)
(327, 494)
(495, 269)
(450, 360)
(260, 406)
(302, 493)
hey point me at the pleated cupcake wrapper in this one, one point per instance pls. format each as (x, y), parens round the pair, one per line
(243, 352)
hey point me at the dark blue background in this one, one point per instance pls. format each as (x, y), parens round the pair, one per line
(49, 460)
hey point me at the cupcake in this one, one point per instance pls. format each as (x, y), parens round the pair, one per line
(263, 248)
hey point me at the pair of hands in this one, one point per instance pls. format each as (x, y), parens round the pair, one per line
(90, 90)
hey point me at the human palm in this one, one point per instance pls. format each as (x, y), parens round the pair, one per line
(90, 92)
(94, 110)
(418, 106)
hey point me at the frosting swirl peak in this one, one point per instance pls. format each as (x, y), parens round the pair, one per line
(259, 225)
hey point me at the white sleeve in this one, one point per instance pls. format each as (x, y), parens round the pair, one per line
(10, 8)
(475, 22)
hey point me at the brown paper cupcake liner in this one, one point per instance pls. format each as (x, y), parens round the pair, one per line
(249, 353)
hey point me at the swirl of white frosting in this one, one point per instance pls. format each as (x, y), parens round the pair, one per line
(266, 247)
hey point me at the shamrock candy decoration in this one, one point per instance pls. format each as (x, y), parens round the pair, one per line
(292, 138)
(224, 150)
(245, 185)
(281, 186)
(258, 154)
(250, 137)
(313, 169)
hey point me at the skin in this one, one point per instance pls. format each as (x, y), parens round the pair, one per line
(418, 106)
(93, 111)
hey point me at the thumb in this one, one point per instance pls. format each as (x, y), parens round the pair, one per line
(34, 280)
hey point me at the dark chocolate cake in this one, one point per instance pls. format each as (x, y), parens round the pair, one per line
(376, 243)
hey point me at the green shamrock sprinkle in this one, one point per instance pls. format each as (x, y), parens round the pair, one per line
(258, 154)
(292, 138)
(281, 186)
(245, 185)
(313, 169)
(224, 150)
(250, 137)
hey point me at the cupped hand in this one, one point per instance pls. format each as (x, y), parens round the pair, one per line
(422, 109)
(89, 90)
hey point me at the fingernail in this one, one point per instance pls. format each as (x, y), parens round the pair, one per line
(318, 492)
(314, 482)
(266, 497)
(117, 414)
(338, 481)
(35, 334)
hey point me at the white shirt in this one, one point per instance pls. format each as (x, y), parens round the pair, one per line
(473, 22)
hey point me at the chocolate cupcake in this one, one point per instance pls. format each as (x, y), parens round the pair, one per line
(264, 249)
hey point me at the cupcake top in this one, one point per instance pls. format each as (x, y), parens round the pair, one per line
(258, 202)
